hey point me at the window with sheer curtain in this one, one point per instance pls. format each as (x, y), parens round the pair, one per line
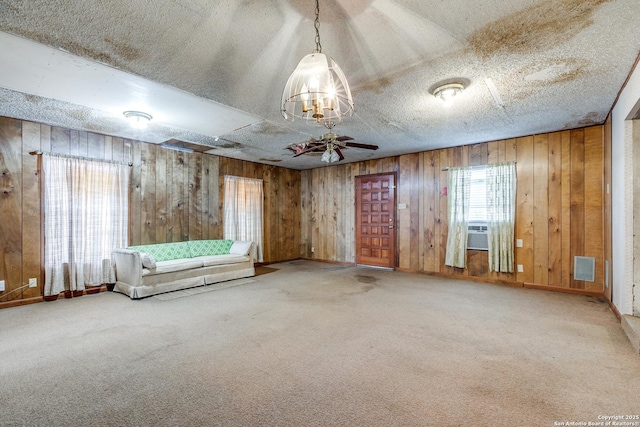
(86, 215)
(243, 211)
(485, 195)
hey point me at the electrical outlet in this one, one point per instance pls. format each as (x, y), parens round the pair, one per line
(1, 285)
(520, 268)
(33, 282)
(313, 249)
(518, 243)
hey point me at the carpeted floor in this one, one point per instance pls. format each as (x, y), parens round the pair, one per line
(308, 345)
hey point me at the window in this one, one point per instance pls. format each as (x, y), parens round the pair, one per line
(482, 196)
(86, 207)
(243, 211)
(478, 195)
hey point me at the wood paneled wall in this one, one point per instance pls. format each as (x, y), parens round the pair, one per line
(174, 196)
(559, 207)
(178, 196)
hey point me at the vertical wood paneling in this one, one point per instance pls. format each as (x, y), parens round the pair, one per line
(161, 196)
(403, 234)
(314, 218)
(305, 209)
(415, 252)
(215, 198)
(577, 200)
(60, 140)
(135, 198)
(339, 201)
(180, 194)
(545, 172)
(524, 208)
(96, 147)
(147, 193)
(555, 208)
(118, 152)
(567, 263)
(195, 196)
(442, 226)
(430, 192)
(349, 212)
(593, 202)
(31, 213)
(607, 204)
(541, 209)
(10, 204)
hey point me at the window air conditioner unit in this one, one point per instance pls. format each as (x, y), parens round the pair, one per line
(477, 238)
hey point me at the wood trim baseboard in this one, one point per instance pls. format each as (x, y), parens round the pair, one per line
(614, 309)
(19, 302)
(261, 264)
(468, 278)
(327, 261)
(574, 291)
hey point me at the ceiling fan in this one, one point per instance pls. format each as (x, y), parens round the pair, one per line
(330, 145)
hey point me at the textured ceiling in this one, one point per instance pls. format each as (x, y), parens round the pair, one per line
(555, 64)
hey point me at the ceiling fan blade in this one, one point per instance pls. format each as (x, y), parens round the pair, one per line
(310, 149)
(337, 150)
(344, 138)
(361, 145)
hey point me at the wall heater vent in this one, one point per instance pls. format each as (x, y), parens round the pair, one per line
(584, 268)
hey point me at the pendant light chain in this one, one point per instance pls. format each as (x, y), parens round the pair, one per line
(317, 25)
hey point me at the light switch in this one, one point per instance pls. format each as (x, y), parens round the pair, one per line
(518, 243)
(402, 206)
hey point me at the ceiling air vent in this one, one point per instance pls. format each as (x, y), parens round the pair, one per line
(584, 268)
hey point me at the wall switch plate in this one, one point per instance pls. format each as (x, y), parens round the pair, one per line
(518, 243)
(520, 268)
(33, 282)
(402, 206)
(313, 249)
(1, 285)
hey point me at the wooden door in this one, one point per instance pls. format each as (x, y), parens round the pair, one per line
(375, 220)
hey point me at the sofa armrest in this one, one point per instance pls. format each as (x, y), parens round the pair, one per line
(128, 266)
(242, 248)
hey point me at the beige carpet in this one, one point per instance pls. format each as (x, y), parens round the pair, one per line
(309, 345)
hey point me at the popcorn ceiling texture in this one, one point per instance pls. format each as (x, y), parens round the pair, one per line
(557, 64)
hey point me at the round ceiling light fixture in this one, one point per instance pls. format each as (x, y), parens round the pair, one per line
(138, 119)
(448, 91)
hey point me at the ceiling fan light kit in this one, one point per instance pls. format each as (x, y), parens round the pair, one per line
(317, 91)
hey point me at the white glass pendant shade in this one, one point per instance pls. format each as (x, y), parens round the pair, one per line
(334, 157)
(326, 156)
(317, 91)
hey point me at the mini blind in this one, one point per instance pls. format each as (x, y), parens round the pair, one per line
(478, 200)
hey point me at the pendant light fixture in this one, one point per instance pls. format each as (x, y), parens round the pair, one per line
(317, 91)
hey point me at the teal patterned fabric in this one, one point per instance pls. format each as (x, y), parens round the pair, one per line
(209, 247)
(165, 251)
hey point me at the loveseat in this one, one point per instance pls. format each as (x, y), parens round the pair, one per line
(147, 270)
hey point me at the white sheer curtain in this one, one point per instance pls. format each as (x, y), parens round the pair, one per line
(86, 215)
(459, 195)
(501, 215)
(243, 211)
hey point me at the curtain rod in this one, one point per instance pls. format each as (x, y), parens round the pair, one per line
(69, 156)
(446, 168)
